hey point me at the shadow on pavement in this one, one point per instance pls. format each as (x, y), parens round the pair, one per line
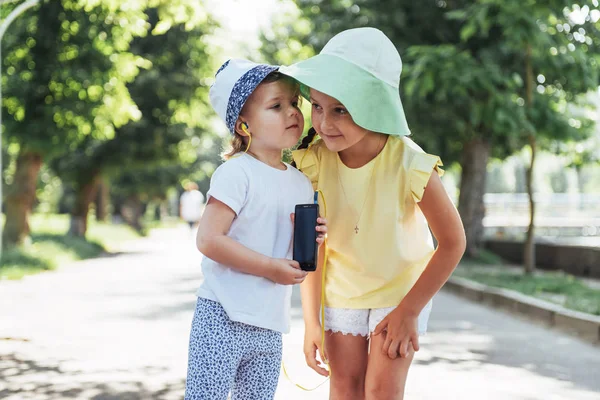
(473, 336)
(26, 379)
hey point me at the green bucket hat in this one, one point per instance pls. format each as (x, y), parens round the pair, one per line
(361, 69)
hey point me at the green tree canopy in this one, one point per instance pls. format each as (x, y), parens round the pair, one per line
(171, 96)
(65, 71)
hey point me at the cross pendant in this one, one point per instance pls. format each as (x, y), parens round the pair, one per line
(356, 229)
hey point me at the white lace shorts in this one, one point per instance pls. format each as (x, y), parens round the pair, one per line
(363, 321)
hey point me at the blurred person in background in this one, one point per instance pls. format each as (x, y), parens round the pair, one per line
(191, 204)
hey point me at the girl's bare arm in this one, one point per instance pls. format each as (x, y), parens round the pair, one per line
(213, 242)
(447, 227)
(310, 291)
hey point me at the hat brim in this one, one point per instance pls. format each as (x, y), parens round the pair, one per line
(372, 103)
(241, 91)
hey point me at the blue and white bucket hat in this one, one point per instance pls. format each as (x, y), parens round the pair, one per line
(235, 81)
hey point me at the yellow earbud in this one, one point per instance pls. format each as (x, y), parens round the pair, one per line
(245, 129)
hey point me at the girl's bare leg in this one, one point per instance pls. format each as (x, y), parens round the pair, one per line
(348, 357)
(385, 378)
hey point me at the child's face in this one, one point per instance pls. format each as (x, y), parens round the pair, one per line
(273, 116)
(333, 123)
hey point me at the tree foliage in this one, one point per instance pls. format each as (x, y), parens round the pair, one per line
(100, 87)
(147, 156)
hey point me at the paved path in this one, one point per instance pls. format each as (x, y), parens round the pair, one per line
(117, 328)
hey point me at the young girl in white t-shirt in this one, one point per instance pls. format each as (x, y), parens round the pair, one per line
(245, 235)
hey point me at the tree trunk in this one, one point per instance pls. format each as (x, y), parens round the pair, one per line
(102, 201)
(529, 251)
(472, 188)
(580, 186)
(158, 210)
(20, 198)
(132, 212)
(86, 192)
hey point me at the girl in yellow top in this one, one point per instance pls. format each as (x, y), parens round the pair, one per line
(382, 197)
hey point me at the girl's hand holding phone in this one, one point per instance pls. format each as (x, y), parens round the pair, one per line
(322, 230)
(286, 272)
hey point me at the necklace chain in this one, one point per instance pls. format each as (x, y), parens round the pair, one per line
(356, 229)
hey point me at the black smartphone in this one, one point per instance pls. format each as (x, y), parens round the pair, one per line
(305, 236)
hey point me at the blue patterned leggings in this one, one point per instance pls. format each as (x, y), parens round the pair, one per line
(227, 356)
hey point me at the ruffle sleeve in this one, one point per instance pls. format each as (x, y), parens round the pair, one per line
(307, 161)
(420, 171)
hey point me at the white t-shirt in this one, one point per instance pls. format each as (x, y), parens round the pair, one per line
(263, 199)
(192, 202)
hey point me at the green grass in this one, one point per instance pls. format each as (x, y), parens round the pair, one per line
(50, 247)
(556, 287)
(485, 257)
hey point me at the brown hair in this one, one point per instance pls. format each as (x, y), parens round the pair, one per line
(238, 142)
(237, 145)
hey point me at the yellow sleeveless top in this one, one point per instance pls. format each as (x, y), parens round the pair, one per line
(375, 265)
